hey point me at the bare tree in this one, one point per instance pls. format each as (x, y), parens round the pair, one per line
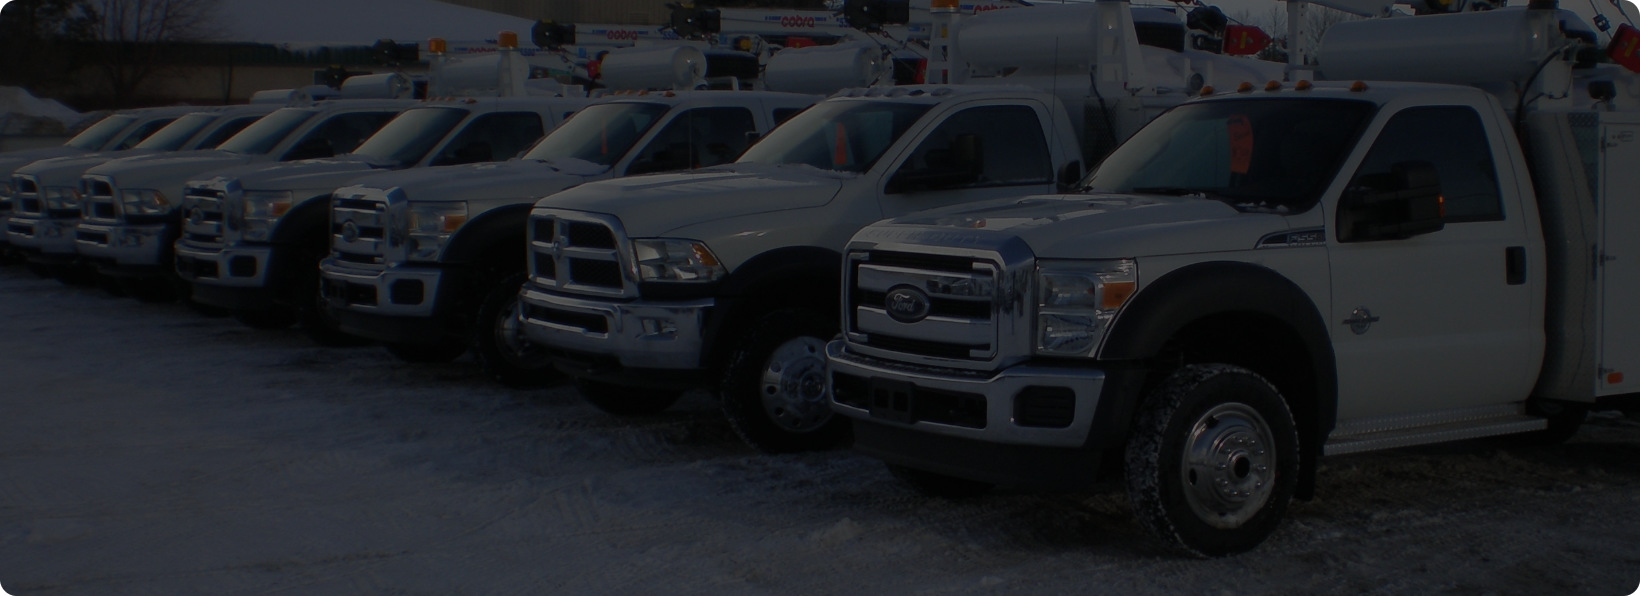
(130, 37)
(36, 41)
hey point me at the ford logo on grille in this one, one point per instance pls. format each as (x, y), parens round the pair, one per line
(906, 304)
(350, 231)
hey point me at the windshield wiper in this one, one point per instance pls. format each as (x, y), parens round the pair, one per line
(1176, 191)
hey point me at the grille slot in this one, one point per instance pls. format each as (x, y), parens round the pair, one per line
(603, 274)
(358, 228)
(591, 323)
(578, 253)
(589, 235)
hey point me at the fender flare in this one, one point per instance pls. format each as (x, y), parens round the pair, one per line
(483, 234)
(813, 275)
(1156, 315)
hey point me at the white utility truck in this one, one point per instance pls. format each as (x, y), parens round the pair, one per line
(726, 278)
(1424, 248)
(47, 203)
(131, 216)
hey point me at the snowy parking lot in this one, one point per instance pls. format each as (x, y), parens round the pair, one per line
(150, 449)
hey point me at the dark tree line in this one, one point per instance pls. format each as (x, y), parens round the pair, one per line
(48, 44)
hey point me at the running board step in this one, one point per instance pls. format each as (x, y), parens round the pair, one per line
(1443, 427)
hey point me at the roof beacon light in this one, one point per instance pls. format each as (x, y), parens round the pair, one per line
(1303, 86)
(507, 39)
(437, 45)
(945, 5)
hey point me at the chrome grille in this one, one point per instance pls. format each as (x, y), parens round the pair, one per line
(27, 197)
(358, 226)
(580, 253)
(933, 306)
(202, 216)
(101, 202)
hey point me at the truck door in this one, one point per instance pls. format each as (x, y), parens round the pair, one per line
(981, 152)
(1620, 256)
(1440, 320)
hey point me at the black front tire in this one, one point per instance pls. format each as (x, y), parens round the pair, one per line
(773, 390)
(1213, 460)
(503, 352)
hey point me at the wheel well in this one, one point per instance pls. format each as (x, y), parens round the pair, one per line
(1268, 346)
(804, 287)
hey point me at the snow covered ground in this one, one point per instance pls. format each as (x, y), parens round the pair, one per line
(148, 449)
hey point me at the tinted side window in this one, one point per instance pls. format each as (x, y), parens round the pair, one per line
(227, 130)
(340, 134)
(1451, 138)
(1012, 147)
(696, 139)
(781, 115)
(141, 132)
(492, 137)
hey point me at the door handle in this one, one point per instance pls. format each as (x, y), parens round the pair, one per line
(1514, 259)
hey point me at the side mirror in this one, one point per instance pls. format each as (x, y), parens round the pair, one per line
(1401, 203)
(315, 148)
(1070, 176)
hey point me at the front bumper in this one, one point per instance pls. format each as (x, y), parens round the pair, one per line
(49, 239)
(232, 266)
(135, 248)
(399, 291)
(635, 335)
(1021, 405)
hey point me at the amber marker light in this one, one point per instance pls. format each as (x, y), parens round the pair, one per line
(1358, 86)
(1272, 86)
(945, 5)
(437, 45)
(507, 39)
(1303, 86)
(1208, 90)
(1245, 87)
(1117, 294)
(1614, 378)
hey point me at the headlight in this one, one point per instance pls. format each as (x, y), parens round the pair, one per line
(1076, 302)
(5, 190)
(144, 202)
(61, 198)
(430, 227)
(262, 210)
(670, 259)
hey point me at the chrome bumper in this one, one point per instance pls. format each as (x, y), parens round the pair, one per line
(397, 291)
(138, 246)
(665, 335)
(999, 390)
(49, 236)
(233, 266)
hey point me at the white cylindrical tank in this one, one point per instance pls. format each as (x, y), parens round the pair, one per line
(654, 67)
(376, 86)
(1029, 39)
(822, 70)
(471, 75)
(272, 96)
(1472, 47)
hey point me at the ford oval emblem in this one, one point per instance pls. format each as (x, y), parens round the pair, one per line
(906, 304)
(350, 232)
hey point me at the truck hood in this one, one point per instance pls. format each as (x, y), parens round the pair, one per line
(66, 170)
(1090, 226)
(517, 179)
(11, 160)
(654, 205)
(167, 171)
(323, 175)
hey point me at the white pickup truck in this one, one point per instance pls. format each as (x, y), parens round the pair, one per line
(1265, 276)
(253, 235)
(48, 201)
(429, 290)
(132, 218)
(116, 132)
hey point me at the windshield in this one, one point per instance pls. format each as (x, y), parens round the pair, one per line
(1275, 154)
(411, 135)
(176, 133)
(600, 134)
(100, 133)
(261, 137)
(846, 136)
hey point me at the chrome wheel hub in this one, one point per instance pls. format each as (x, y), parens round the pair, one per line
(1228, 465)
(793, 386)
